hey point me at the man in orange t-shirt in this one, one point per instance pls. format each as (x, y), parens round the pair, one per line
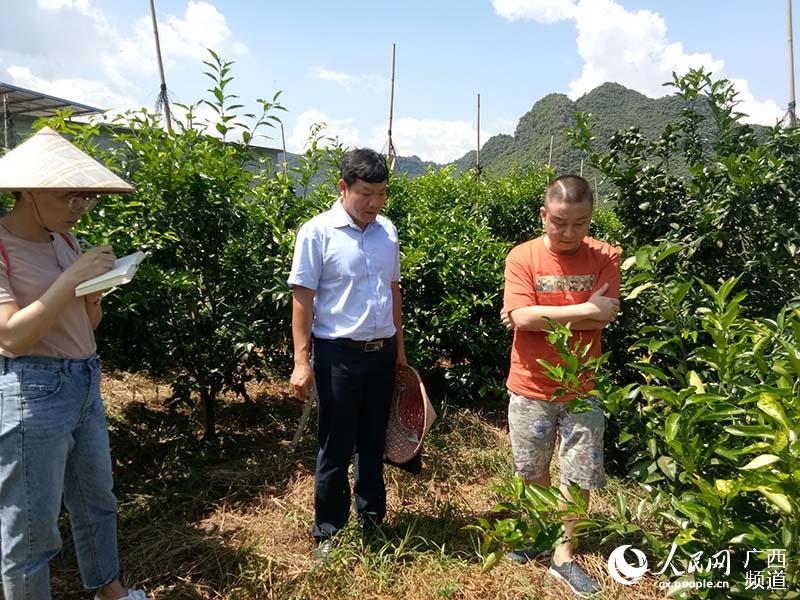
(570, 278)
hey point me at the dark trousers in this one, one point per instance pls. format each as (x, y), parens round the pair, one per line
(355, 392)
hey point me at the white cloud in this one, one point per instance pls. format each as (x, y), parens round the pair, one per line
(765, 113)
(83, 7)
(542, 11)
(343, 129)
(339, 77)
(50, 42)
(349, 81)
(202, 26)
(430, 139)
(628, 47)
(85, 91)
(498, 126)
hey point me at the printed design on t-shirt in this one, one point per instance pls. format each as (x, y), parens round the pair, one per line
(564, 283)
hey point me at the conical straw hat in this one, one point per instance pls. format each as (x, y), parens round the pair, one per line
(47, 161)
(410, 417)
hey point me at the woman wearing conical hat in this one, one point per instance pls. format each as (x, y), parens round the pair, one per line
(53, 434)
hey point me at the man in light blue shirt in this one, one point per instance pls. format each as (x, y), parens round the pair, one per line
(346, 297)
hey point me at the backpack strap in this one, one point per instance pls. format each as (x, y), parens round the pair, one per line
(5, 258)
(67, 238)
(70, 242)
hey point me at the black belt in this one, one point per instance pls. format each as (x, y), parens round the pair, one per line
(364, 346)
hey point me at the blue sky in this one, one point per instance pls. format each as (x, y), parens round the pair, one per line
(332, 60)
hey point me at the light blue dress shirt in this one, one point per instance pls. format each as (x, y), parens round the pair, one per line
(351, 271)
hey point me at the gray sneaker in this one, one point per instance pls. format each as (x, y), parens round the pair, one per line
(525, 555)
(583, 584)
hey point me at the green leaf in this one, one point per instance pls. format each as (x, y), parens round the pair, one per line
(628, 263)
(667, 252)
(491, 560)
(769, 404)
(639, 289)
(671, 426)
(651, 370)
(725, 487)
(680, 291)
(668, 466)
(696, 382)
(684, 537)
(622, 505)
(760, 461)
(545, 495)
(726, 288)
(787, 536)
(751, 431)
(726, 453)
(792, 354)
(778, 499)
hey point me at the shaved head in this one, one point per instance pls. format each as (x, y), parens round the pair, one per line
(570, 189)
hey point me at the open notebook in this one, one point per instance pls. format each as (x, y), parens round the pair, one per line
(123, 271)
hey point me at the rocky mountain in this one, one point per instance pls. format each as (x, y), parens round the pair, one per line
(613, 107)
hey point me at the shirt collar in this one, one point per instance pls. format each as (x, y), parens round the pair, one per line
(340, 217)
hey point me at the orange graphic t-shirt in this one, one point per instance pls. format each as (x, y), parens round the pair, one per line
(536, 276)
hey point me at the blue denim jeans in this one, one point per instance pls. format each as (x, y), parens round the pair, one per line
(54, 444)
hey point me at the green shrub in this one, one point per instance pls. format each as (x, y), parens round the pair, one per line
(710, 428)
(737, 208)
(201, 306)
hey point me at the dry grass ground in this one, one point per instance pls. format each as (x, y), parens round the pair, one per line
(232, 521)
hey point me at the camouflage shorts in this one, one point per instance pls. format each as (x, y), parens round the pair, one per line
(533, 424)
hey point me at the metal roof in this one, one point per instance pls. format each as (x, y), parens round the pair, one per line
(20, 101)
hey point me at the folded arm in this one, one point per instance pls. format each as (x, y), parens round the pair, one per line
(596, 313)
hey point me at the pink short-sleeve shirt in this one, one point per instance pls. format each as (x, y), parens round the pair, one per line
(34, 266)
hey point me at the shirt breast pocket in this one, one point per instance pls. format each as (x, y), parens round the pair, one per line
(344, 260)
(382, 255)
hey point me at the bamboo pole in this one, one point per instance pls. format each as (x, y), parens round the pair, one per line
(164, 98)
(550, 156)
(792, 114)
(581, 168)
(478, 153)
(285, 157)
(390, 151)
(6, 143)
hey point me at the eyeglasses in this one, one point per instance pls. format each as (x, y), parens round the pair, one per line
(80, 203)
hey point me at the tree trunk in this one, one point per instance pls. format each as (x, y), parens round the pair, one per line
(209, 407)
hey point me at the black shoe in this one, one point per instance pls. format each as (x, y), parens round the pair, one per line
(583, 584)
(322, 548)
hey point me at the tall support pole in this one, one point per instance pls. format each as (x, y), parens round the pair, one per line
(581, 168)
(478, 153)
(285, 156)
(391, 154)
(6, 143)
(163, 97)
(792, 114)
